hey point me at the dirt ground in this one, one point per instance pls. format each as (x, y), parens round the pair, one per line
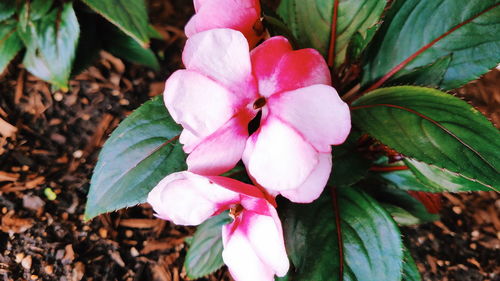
(54, 139)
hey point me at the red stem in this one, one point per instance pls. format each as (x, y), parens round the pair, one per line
(420, 51)
(333, 35)
(340, 242)
(388, 168)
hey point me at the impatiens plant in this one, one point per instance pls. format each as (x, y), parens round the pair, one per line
(62, 38)
(248, 126)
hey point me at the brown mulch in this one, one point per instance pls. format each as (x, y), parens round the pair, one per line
(49, 142)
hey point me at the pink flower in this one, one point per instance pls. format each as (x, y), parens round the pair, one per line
(241, 15)
(224, 87)
(254, 248)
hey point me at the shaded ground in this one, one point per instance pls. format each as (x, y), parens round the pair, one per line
(53, 147)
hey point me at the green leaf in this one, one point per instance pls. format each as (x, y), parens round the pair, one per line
(349, 166)
(7, 9)
(429, 75)
(51, 45)
(140, 152)
(124, 46)
(10, 43)
(205, 252)
(432, 127)
(372, 242)
(417, 33)
(410, 270)
(129, 15)
(358, 43)
(404, 208)
(310, 22)
(442, 180)
(35, 9)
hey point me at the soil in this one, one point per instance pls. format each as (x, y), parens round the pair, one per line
(49, 145)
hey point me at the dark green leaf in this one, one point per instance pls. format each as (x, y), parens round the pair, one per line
(372, 242)
(310, 22)
(349, 166)
(51, 45)
(129, 15)
(205, 252)
(276, 27)
(429, 75)
(125, 47)
(432, 127)
(417, 33)
(359, 42)
(410, 270)
(442, 180)
(140, 152)
(10, 43)
(36, 9)
(89, 44)
(7, 9)
(404, 208)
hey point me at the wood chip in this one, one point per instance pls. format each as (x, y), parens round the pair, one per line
(12, 224)
(139, 223)
(6, 129)
(4, 176)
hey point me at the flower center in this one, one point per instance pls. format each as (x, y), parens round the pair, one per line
(259, 103)
(235, 211)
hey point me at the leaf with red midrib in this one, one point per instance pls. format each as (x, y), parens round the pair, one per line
(416, 33)
(432, 127)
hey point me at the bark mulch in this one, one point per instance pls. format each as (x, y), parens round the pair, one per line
(49, 142)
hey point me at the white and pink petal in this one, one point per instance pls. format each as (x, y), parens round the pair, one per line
(189, 199)
(197, 103)
(254, 247)
(316, 112)
(277, 157)
(222, 55)
(278, 68)
(314, 185)
(241, 15)
(221, 151)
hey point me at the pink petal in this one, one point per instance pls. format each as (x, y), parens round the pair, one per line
(317, 112)
(240, 258)
(277, 157)
(278, 68)
(239, 15)
(254, 248)
(265, 59)
(266, 237)
(197, 103)
(313, 186)
(222, 55)
(220, 152)
(189, 199)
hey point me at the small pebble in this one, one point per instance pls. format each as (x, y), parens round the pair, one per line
(133, 252)
(26, 263)
(457, 210)
(58, 96)
(19, 257)
(78, 154)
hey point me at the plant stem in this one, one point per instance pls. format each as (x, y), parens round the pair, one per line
(336, 210)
